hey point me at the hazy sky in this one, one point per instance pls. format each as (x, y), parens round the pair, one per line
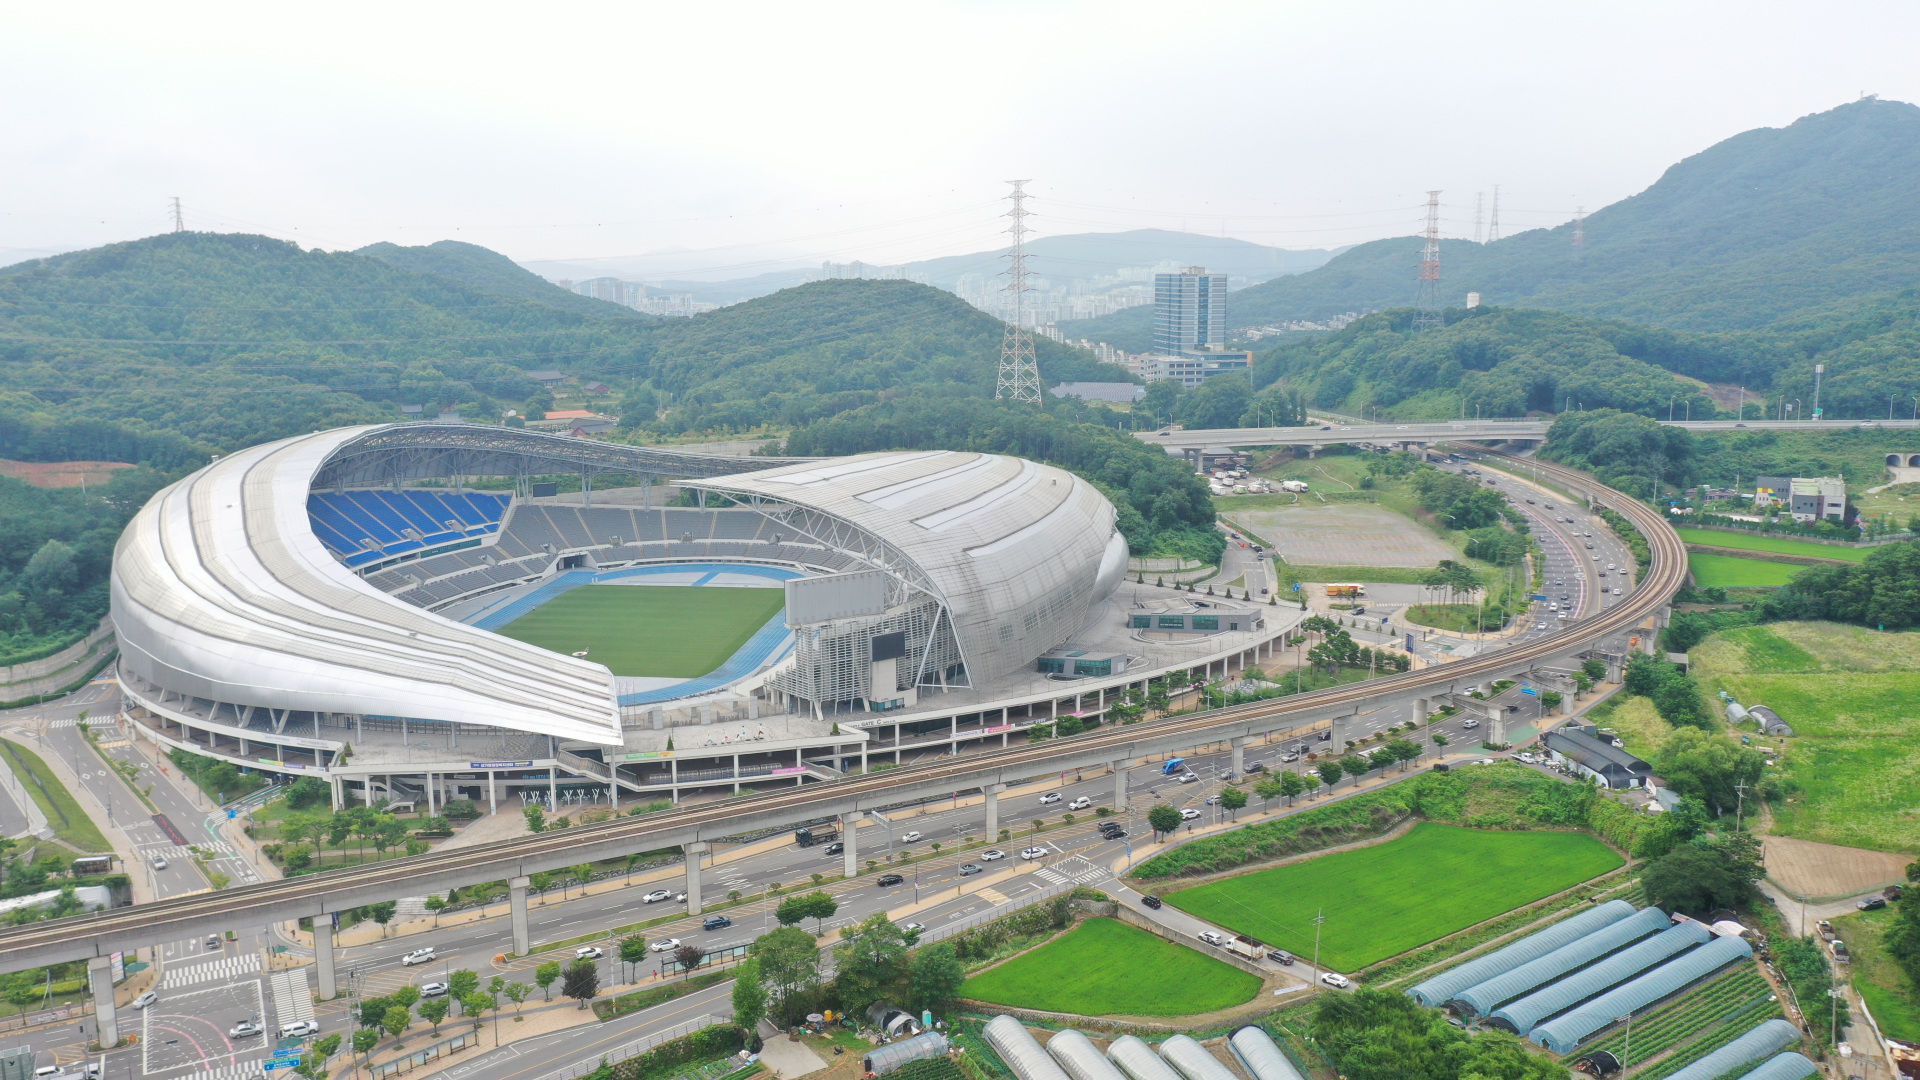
(739, 135)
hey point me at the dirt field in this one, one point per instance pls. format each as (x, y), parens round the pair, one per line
(61, 474)
(1348, 534)
(1805, 868)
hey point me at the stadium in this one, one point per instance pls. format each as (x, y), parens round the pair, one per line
(419, 613)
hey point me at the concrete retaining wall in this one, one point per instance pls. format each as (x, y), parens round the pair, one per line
(68, 657)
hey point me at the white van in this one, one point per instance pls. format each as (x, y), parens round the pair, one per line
(1080, 803)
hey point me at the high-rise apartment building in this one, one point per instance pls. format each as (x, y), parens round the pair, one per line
(1189, 312)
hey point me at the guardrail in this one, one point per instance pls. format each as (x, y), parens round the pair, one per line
(102, 932)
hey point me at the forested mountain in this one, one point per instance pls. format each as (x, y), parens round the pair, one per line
(1768, 224)
(187, 343)
(490, 271)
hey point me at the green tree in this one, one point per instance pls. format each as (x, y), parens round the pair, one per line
(1594, 669)
(1292, 785)
(382, 913)
(1163, 818)
(516, 992)
(461, 983)
(1233, 799)
(936, 975)
(871, 959)
(434, 1010)
(1902, 938)
(1699, 876)
(1270, 789)
(633, 950)
(789, 961)
(435, 904)
(549, 973)
(1709, 767)
(582, 981)
(817, 905)
(749, 995)
(365, 1039)
(397, 1019)
(536, 816)
(1330, 772)
(406, 996)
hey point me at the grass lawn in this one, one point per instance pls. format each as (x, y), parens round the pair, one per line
(1727, 571)
(70, 824)
(1636, 722)
(1388, 898)
(1779, 545)
(1888, 994)
(663, 631)
(1459, 618)
(1107, 968)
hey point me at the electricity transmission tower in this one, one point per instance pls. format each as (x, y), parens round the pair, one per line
(1019, 373)
(1493, 222)
(1427, 305)
(179, 222)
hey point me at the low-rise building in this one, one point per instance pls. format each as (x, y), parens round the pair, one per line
(1610, 766)
(1193, 368)
(1814, 499)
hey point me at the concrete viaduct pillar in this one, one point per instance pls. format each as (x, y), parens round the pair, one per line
(991, 792)
(850, 858)
(517, 900)
(1419, 711)
(695, 852)
(1120, 786)
(323, 956)
(1239, 755)
(106, 1023)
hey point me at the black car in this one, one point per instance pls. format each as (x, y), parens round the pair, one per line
(1872, 903)
(887, 881)
(716, 922)
(1254, 766)
(836, 848)
(1151, 901)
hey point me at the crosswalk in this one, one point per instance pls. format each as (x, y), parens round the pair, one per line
(224, 969)
(221, 849)
(242, 1071)
(292, 997)
(1076, 870)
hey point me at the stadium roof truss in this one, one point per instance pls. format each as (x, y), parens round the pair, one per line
(905, 578)
(395, 453)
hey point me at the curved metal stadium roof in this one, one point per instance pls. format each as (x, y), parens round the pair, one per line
(1438, 990)
(1521, 1016)
(1767, 1038)
(1017, 551)
(1506, 986)
(1561, 1035)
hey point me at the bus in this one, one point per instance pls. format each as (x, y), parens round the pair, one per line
(1346, 588)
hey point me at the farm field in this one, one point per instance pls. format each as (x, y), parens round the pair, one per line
(1853, 756)
(1694, 1024)
(1388, 898)
(1778, 545)
(1726, 571)
(665, 631)
(1107, 968)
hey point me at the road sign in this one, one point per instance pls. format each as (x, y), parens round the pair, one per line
(1530, 690)
(280, 1063)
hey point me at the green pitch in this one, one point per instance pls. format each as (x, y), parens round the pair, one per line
(1382, 900)
(1107, 968)
(662, 631)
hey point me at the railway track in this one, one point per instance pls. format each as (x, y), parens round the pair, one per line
(473, 865)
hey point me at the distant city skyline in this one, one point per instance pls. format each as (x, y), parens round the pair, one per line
(730, 139)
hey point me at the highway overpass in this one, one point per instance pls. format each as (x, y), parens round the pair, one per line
(1428, 433)
(93, 937)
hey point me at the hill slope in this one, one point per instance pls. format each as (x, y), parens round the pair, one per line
(1767, 224)
(229, 340)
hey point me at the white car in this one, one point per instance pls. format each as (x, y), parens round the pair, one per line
(588, 952)
(991, 855)
(1050, 798)
(1213, 938)
(666, 944)
(1188, 813)
(656, 896)
(1484, 761)
(912, 927)
(1033, 853)
(417, 956)
(145, 1000)
(1616, 592)
(1081, 803)
(1469, 724)
(243, 1030)
(433, 989)
(1335, 980)
(908, 838)
(299, 1029)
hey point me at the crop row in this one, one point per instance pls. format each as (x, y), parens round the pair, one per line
(1737, 1025)
(1697, 1011)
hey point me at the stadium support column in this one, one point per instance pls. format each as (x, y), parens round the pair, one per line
(695, 852)
(1120, 785)
(323, 955)
(493, 795)
(849, 827)
(106, 1024)
(1239, 743)
(991, 793)
(517, 899)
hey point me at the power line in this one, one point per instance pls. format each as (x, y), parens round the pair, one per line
(1019, 372)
